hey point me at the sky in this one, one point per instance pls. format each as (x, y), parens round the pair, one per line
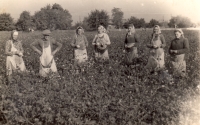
(147, 9)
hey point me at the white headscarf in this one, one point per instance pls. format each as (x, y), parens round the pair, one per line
(133, 29)
(159, 31)
(14, 32)
(180, 31)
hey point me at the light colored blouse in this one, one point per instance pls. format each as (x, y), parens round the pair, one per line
(79, 40)
(17, 45)
(105, 37)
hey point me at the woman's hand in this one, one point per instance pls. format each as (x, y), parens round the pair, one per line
(39, 52)
(20, 54)
(16, 53)
(97, 43)
(174, 51)
(130, 46)
(77, 46)
(155, 46)
(54, 52)
(12, 53)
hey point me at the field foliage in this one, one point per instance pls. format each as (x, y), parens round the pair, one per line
(104, 93)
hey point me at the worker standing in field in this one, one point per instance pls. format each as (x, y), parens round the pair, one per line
(130, 45)
(157, 43)
(14, 52)
(46, 52)
(79, 44)
(177, 50)
(100, 43)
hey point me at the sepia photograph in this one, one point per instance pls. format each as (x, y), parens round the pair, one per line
(99, 62)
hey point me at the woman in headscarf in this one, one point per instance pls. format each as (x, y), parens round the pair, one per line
(177, 50)
(14, 52)
(46, 52)
(157, 43)
(80, 44)
(130, 45)
(100, 42)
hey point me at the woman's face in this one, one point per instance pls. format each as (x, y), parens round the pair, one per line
(46, 37)
(130, 29)
(100, 30)
(156, 30)
(15, 37)
(177, 34)
(79, 31)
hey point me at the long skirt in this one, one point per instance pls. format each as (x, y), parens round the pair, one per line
(156, 64)
(178, 65)
(129, 56)
(14, 63)
(101, 56)
(80, 56)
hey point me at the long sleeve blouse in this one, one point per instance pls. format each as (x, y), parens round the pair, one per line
(78, 39)
(161, 38)
(131, 39)
(181, 45)
(105, 37)
(17, 45)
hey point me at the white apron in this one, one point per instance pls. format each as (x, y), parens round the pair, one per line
(80, 56)
(47, 63)
(14, 62)
(156, 59)
(178, 65)
(101, 55)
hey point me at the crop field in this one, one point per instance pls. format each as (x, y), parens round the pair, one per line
(103, 94)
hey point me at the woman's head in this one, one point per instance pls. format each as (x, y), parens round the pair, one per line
(178, 33)
(46, 34)
(156, 29)
(101, 29)
(79, 30)
(131, 28)
(14, 35)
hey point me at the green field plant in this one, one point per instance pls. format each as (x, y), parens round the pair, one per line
(103, 93)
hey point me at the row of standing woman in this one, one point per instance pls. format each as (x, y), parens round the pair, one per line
(156, 43)
(45, 48)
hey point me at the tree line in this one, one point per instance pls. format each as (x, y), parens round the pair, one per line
(55, 17)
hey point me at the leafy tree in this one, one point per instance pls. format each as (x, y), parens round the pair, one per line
(54, 17)
(96, 18)
(198, 24)
(117, 16)
(133, 20)
(138, 23)
(126, 24)
(85, 24)
(6, 22)
(141, 23)
(25, 21)
(152, 23)
(164, 24)
(180, 21)
(57, 7)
